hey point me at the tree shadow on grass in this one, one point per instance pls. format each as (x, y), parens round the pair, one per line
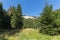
(9, 32)
(51, 33)
(2, 38)
(13, 31)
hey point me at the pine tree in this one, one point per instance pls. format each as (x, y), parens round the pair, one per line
(1, 17)
(13, 18)
(6, 20)
(16, 17)
(46, 20)
(19, 17)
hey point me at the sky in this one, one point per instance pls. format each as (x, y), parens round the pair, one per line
(31, 7)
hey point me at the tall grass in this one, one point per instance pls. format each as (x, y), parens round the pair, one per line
(31, 34)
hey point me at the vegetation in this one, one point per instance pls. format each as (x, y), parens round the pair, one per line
(11, 23)
(49, 21)
(16, 17)
(1, 17)
(30, 23)
(30, 34)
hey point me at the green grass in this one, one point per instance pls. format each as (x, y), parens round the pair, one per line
(31, 34)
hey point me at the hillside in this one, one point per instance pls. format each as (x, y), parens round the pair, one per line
(28, 17)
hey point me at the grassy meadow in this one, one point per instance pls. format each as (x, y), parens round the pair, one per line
(29, 34)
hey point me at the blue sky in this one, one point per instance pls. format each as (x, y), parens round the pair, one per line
(31, 7)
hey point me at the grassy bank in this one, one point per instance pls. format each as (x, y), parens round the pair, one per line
(30, 34)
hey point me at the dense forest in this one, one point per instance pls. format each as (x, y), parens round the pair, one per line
(11, 19)
(50, 21)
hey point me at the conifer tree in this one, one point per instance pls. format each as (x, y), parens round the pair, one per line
(19, 16)
(46, 20)
(1, 16)
(16, 17)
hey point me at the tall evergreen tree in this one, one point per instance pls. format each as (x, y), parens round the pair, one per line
(19, 16)
(1, 16)
(6, 20)
(46, 20)
(16, 17)
(13, 18)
